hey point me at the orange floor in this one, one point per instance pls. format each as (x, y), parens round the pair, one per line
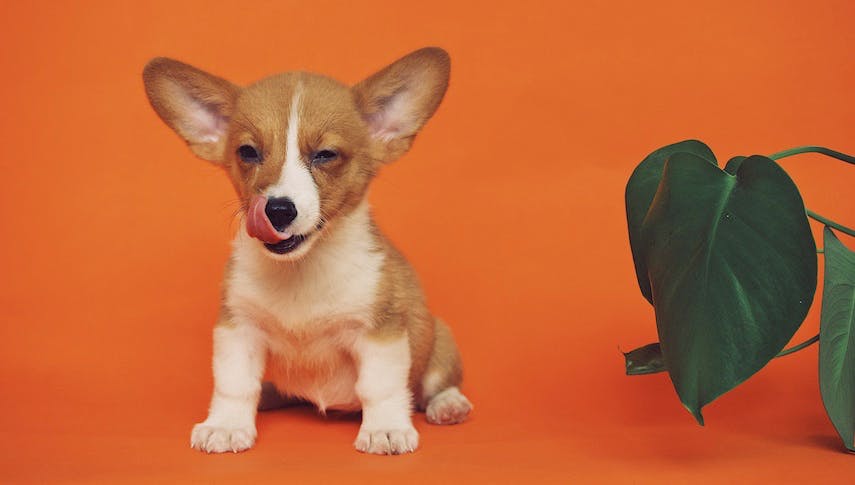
(510, 206)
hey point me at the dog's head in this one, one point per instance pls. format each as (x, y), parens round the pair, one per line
(300, 149)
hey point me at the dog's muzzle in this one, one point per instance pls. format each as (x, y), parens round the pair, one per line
(267, 221)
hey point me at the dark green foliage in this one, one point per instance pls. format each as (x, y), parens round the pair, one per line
(837, 338)
(644, 360)
(727, 260)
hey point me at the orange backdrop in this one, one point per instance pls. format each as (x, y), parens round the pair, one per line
(510, 205)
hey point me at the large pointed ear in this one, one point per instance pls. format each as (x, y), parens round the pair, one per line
(398, 100)
(195, 104)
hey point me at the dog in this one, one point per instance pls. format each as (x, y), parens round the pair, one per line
(314, 295)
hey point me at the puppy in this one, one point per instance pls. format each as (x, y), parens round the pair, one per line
(313, 293)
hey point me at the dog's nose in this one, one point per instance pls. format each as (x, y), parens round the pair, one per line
(281, 211)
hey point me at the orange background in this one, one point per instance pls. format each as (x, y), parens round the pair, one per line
(510, 206)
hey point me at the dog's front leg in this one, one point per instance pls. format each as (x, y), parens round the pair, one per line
(383, 390)
(239, 357)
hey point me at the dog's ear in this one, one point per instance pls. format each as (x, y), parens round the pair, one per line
(195, 104)
(399, 99)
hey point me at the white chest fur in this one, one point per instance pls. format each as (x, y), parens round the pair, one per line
(312, 310)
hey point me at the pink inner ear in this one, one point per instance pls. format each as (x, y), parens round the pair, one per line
(199, 122)
(204, 124)
(395, 118)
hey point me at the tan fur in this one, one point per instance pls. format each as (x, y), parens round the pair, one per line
(444, 365)
(428, 67)
(164, 77)
(313, 309)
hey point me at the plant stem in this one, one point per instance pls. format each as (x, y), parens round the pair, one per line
(800, 346)
(812, 149)
(830, 223)
(827, 152)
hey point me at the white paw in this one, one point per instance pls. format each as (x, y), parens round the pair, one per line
(387, 442)
(212, 438)
(448, 407)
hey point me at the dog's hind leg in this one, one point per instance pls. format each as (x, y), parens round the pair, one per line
(441, 397)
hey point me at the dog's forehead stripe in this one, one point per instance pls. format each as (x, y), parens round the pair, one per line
(292, 147)
(295, 179)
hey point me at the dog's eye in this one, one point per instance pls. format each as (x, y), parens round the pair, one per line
(323, 156)
(249, 154)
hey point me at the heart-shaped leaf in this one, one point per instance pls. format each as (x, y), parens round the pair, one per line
(837, 338)
(640, 190)
(730, 264)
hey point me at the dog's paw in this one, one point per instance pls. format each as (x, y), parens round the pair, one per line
(212, 438)
(387, 442)
(448, 407)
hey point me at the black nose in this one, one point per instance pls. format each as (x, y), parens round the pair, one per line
(281, 211)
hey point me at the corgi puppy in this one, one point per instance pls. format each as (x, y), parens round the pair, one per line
(314, 295)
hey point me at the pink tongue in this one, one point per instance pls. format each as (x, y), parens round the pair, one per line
(259, 226)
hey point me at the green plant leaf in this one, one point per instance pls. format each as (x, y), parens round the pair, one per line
(733, 164)
(648, 359)
(644, 360)
(837, 338)
(731, 268)
(640, 190)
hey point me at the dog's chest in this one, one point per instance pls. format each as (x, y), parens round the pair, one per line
(311, 312)
(336, 282)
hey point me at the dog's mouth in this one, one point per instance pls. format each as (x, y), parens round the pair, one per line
(287, 245)
(258, 225)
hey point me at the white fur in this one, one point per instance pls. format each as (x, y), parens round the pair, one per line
(384, 369)
(239, 354)
(295, 180)
(335, 282)
(311, 310)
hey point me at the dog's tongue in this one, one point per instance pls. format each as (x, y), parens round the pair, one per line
(259, 226)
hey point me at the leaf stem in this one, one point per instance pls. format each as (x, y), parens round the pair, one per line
(798, 347)
(813, 149)
(830, 223)
(827, 152)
